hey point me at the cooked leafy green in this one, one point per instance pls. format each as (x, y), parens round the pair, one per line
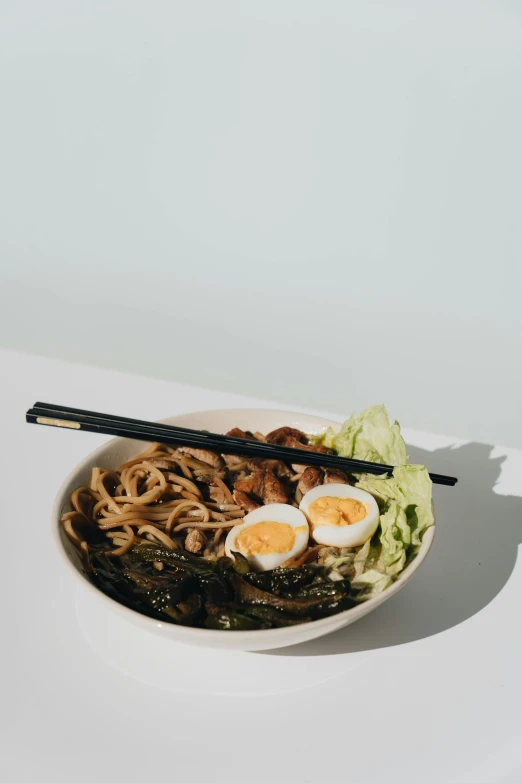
(283, 580)
(274, 617)
(192, 591)
(297, 605)
(225, 619)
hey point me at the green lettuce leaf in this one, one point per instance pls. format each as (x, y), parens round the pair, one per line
(395, 538)
(409, 488)
(361, 565)
(369, 436)
(370, 583)
(404, 498)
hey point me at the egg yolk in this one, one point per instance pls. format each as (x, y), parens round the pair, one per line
(267, 538)
(336, 511)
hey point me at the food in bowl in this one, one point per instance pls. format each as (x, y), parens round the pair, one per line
(226, 542)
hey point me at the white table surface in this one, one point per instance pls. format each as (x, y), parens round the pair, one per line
(426, 688)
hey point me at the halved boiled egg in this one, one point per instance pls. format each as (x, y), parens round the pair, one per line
(340, 515)
(269, 535)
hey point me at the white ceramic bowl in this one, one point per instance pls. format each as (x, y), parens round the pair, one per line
(117, 451)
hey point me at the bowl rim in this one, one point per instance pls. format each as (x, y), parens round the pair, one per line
(188, 634)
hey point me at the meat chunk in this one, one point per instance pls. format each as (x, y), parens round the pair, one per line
(273, 489)
(305, 447)
(294, 439)
(296, 444)
(235, 432)
(263, 485)
(283, 434)
(312, 477)
(162, 463)
(195, 541)
(273, 465)
(217, 494)
(252, 484)
(242, 500)
(208, 478)
(334, 476)
(235, 459)
(209, 457)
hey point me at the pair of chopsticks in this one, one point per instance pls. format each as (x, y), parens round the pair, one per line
(74, 418)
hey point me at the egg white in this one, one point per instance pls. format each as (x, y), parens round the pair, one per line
(273, 512)
(343, 535)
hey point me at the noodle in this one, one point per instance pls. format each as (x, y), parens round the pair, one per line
(187, 504)
(75, 497)
(161, 496)
(67, 526)
(309, 554)
(228, 494)
(238, 466)
(100, 486)
(208, 525)
(125, 543)
(159, 534)
(184, 483)
(153, 449)
(95, 474)
(152, 501)
(184, 467)
(134, 521)
(189, 495)
(224, 506)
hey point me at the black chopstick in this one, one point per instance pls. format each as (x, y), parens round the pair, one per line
(108, 424)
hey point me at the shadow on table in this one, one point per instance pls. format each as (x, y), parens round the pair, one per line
(472, 557)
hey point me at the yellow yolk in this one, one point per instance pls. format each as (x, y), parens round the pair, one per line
(336, 511)
(267, 538)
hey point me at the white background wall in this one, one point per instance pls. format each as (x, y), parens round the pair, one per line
(316, 202)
